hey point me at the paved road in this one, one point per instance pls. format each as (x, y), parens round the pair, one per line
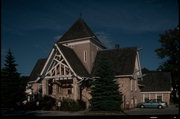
(136, 111)
(150, 111)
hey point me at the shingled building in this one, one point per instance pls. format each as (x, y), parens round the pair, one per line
(156, 85)
(74, 58)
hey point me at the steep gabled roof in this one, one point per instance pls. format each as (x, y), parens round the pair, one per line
(37, 69)
(73, 61)
(157, 81)
(122, 60)
(78, 30)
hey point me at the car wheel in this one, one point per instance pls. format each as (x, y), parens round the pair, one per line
(142, 106)
(160, 107)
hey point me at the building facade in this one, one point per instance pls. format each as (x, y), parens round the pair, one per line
(156, 85)
(73, 60)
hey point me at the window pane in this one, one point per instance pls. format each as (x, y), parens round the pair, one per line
(146, 97)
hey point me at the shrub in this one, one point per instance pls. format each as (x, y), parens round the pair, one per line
(71, 105)
(47, 103)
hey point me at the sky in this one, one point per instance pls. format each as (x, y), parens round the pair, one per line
(30, 27)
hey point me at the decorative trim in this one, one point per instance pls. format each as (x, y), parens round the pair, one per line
(139, 65)
(77, 43)
(131, 85)
(121, 76)
(52, 51)
(67, 62)
(75, 40)
(157, 92)
(135, 85)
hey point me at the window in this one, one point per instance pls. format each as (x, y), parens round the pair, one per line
(135, 84)
(159, 97)
(146, 97)
(85, 56)
(132, 102)
(131, 81)
(62, 69)
(135, 100)
(69, 90)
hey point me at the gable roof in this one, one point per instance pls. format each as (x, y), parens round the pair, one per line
(122, 60)
(78, 30)
(73, 61)
(37, 69)
(156, 81)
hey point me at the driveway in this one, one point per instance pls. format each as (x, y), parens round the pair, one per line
(153, 111)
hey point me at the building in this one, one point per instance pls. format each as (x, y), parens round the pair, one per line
(156, 85)
(74, 58)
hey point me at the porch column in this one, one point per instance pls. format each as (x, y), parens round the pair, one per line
(75, 89)
(45, 87)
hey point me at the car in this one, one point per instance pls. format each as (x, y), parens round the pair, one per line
(153, 103)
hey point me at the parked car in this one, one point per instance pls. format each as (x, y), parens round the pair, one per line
(153, 103)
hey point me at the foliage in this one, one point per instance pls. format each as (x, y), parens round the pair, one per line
(145, 70)
(22, 87)
(9, 82)
(71, 105)
(47, 102)
(105, 94)
(170, 52)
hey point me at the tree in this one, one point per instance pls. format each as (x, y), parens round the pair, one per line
(170, 52)
(104, 91)
(9, 82)
(22, 87)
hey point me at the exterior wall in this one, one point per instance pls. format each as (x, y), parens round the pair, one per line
(44, 87)
(130, 96)
(93, 52)
(153, 95)
(35, 88)
(59, 93)
(137, 65)
(90, 48)
(166, 98)
(76, 90)
(86, 96)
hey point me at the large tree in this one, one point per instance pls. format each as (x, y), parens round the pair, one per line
(169, 51)
(9, 82)
(104, 91)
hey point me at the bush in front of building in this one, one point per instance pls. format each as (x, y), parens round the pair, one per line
(71, 105)
(46, 103)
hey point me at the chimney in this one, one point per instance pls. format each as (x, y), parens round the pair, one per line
(117, 46)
